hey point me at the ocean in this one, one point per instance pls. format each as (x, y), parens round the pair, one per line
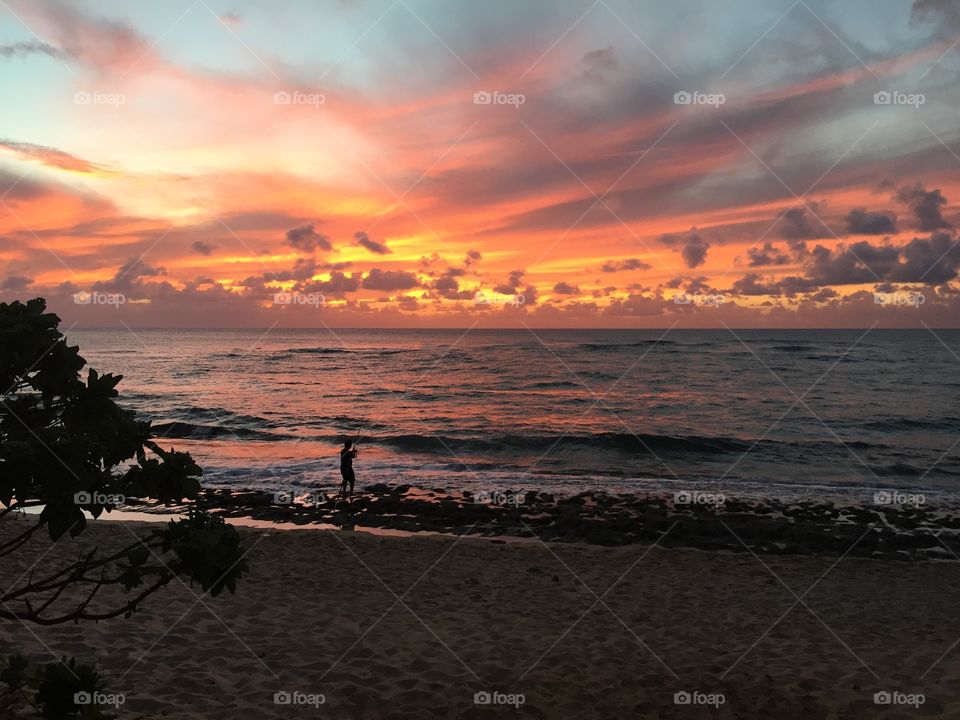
(757, 412)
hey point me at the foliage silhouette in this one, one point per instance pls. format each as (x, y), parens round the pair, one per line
(67, 446)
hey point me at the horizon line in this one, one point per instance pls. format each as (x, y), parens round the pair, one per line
(513, 329)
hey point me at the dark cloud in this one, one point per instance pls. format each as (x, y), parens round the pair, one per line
(407, 302)
(753, 284)
(18, 187)
(599, 63)
(861, 222)
(339, 283)
(203, 248)
(798, 248)
(944, 12)
(795, 225)
(303, 269)
(633, 305)
(30, 47)
(932, 260)
(513, 282)
(692, 247)
(373, 246)
(766, 255)
(853, 264)
(823, 294)
(925, 206)
(447, 286)
(565, 288)
(131, 273)
(472, 257)
(15, 283)
(390, 280)
(700, 286)
(629, 264)
(432, 264)
(305, 239)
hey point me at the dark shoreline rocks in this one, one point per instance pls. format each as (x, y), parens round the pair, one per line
(599, 518)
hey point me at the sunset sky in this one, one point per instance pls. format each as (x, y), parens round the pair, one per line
(228, 163)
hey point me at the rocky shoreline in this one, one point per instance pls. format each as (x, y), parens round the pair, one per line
(692, 520)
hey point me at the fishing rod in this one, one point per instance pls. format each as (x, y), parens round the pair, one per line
(359, 428)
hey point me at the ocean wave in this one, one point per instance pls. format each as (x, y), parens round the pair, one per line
(341, 351)
(550, 384)
(625, 442)
(895, 423)
(218, 415)
(619, 346)
(197, 431)
(316, 351)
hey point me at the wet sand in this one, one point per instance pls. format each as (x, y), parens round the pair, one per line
(415, 627)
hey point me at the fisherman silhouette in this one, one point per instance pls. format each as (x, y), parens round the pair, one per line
(347, 454)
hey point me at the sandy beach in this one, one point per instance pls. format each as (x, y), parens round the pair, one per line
(353, 625)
